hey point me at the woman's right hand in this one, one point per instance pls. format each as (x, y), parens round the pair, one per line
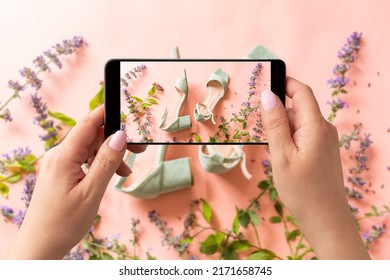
(307, 172)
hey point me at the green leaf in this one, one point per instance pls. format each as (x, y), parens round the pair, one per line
(273, 194)
(152, 101)
(197, 137)
(229, 254)
(29, 168)
(98, 99)
(263, 184)
(206, 211)
(279, 208)
(236, 224)
(291, 236)
(187, 240)
(344, 91)
(262, 254)
(14, 178)
(244, 133)
(211, 244)
(137, 99)
(106, 256)
(97, 219)
(374, 210)
(275, 219)
(253, 217)
(94, 257)
(240, 245)
(150, 256)
(4, 190)
(14, 167)
(145, 105)
(335, 92)
(244, 218)
(292, 220)
(63, 118)
(123, 118)
(152, 90)
(28, 159)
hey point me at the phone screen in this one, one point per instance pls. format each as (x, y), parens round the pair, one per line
(193, 101)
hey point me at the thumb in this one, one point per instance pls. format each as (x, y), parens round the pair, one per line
(106, 162)
(275, 120)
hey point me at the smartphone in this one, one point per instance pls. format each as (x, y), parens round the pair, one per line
(187, 101)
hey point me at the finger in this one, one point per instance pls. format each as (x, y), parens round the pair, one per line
(107, 161)
(276, 124)
(303, 100)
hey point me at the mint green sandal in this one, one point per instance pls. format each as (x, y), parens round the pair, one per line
(163, 177)
(216, 88)
(180, 122)
(222, 158)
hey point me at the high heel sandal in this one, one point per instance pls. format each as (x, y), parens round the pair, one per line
(180, 122)
(216, 88)
(222, 158)
(162, 177)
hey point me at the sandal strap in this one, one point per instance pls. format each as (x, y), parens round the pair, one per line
(209, 114)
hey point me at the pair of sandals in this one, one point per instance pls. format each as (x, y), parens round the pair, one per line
(172, 175)
(167, 176)
(216, 88)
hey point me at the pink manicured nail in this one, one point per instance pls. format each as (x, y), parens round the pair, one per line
(268, 100)
(118, 141)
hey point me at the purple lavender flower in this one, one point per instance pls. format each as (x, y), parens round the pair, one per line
(6, 115)
(42, 120)
(371, 235)
(31, 78)
(347, 55)
(15, 85)
(29, 185)
(352, 193)
(252, 80)
(53, 57)
(6, 211)
(21, 153)
(267, 167)
(77, 254)
(340, 69)
(18, 217)
(338, 82)
(42, 64)
(132, 74)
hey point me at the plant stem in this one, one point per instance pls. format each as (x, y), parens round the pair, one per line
(16, 93)
(286, 230)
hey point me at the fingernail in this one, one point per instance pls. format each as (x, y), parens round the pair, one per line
(118, 141)
(268, 100)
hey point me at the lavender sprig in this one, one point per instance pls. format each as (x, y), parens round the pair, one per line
(42, 120)
(42, 64)
(247, 108)
(347, 55)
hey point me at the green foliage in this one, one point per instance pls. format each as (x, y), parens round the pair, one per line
(262, 254)
(206, 211)
(211, 244)
(4, 189)
(98, 99)
(64, 119)
(263, 185)
(275, 219)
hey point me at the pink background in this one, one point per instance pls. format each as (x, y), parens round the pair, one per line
(305, 34)
(198, 73)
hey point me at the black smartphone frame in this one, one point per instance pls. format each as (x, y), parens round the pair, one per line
(112, 92)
